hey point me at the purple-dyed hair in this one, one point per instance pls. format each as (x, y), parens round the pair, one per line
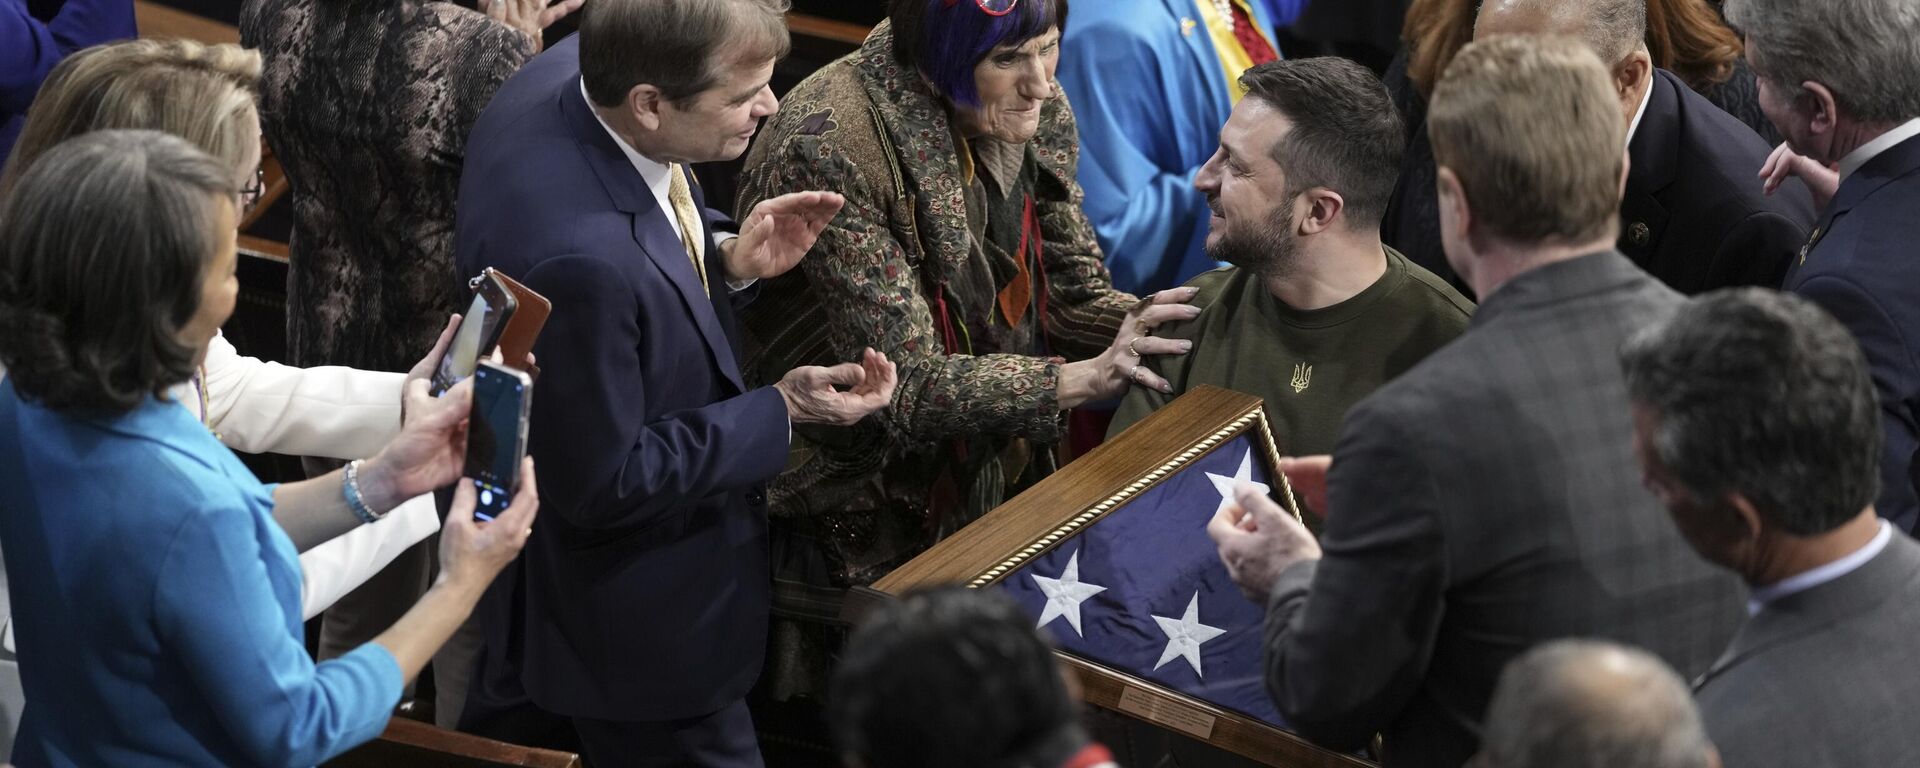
(946, 39)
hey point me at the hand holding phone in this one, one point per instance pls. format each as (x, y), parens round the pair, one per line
(496, 436)
(480, 329)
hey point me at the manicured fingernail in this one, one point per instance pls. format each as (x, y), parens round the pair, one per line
(1186, 346)
(1166, 388)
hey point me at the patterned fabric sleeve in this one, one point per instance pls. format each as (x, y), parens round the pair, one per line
(871, 296)
(1085, 312)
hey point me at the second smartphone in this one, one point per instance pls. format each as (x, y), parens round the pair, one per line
(497, 436)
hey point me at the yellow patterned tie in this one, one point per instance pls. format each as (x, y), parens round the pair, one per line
(689, 219)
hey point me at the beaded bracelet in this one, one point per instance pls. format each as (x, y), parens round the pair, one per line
(351, 489)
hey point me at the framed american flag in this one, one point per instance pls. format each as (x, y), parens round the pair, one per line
(1110, 556)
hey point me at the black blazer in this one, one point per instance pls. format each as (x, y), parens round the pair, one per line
(643, 594)
(1485, 501)
(1694, 214)
(1864, 267)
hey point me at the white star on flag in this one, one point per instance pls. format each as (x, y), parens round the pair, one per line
(1186, 634)
(1065, 594)
(1225, 484)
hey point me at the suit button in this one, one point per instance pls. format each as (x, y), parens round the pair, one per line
(1639, 233)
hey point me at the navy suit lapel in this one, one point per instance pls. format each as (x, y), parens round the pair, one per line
(651, 230)
(1901, 160)
(1653, 152)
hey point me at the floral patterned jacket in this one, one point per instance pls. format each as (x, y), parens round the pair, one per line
(884, 275)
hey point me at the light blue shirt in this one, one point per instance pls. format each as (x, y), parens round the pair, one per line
(1806, 580)
(156, 604)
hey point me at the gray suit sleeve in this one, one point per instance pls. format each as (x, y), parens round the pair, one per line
(1349, 638)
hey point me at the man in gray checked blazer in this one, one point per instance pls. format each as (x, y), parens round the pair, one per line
(1759, 427)
(1487, 500)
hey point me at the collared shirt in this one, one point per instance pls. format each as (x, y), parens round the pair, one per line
(1858, 158)
(659, 178)
(1806, 580)
(1645, 99)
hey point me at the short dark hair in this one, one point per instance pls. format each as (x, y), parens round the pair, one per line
(625, 43)
(1591, 704)
(945, 39)
(947, 678)
(1763, 394)
(1346, 134)
(104, 242)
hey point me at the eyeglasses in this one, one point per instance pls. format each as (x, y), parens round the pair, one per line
(991, 7)
(251, 193)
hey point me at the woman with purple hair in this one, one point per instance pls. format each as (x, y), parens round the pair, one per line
(963, 254)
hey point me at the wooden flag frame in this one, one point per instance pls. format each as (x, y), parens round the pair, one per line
(1085, 491)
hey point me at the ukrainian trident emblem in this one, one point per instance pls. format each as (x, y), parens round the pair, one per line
(1302, 377)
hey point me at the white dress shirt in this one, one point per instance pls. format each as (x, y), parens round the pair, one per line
(1645, 99)
(1872, 149)
(1805, 580)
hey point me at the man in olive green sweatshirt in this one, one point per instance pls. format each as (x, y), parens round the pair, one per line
(1316, 312)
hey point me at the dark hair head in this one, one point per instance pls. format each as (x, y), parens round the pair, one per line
(626, 43)
(1589, 704)
(947, 678)
(1762, 394)
(946, 39)
(104, 242)
(1346, 134)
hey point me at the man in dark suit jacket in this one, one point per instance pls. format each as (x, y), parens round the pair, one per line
(640, 609)
(1861, 113)
(1486, 500)
(1695, 214)
(1756, 420)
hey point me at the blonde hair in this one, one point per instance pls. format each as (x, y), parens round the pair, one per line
(1531, 127)
(198, 92)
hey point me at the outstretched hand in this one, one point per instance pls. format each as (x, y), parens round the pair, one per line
(530, 17)
(778, 232)
(1258, 541)
(814, 394)
(1821, 181)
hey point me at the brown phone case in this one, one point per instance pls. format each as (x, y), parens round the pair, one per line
(523, 328)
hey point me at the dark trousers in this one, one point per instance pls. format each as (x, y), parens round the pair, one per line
(723, 739)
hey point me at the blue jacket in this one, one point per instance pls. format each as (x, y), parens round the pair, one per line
(29, 48)
(156, 604)
(1861, 267)
(644, 592)
(1150, 97)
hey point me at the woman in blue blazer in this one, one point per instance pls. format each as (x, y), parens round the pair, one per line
(155, 589)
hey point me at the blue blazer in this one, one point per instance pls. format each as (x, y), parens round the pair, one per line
(1150, 96)
(644, 592)
(156, 604)
(1861, 267)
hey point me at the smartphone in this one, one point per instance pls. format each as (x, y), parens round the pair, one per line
(496, 436)
(479, 331)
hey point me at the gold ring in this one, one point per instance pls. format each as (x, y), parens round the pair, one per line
(1131, 350)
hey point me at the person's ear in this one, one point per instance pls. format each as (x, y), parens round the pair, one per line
(1323, 209)
(1822, 110)
(1628, 75)
(1453, 200)
(645, 103)
(1744, 523)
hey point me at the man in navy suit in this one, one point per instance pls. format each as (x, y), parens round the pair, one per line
(1693, 214)
(1841, 79)
(639, 612)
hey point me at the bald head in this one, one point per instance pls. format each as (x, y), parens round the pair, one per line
(1616, 30)
(1587, 704)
